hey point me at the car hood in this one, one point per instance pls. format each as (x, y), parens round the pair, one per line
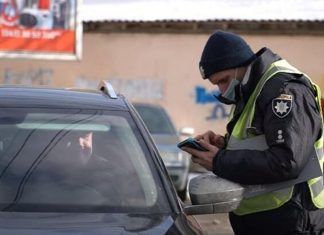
(165, 139)
(12, 223)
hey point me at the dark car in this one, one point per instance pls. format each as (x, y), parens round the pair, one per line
(82, 162)
(166, 137)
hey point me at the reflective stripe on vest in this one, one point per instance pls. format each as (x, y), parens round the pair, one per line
(241, 138)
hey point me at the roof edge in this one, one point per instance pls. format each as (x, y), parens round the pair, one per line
(299, 27)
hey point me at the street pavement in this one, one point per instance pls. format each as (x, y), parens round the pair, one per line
(216, 224)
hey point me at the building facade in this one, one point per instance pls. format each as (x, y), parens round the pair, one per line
(157, 62)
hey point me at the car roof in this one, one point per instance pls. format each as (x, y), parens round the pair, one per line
(42, 97)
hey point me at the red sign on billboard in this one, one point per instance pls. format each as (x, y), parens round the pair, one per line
(48, 29)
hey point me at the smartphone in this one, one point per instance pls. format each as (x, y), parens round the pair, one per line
(191, 143)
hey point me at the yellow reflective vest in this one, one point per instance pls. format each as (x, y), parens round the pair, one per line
(242, 139)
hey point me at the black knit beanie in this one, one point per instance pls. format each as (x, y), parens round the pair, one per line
(222, 51)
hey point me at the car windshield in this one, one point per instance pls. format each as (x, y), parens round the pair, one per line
(156, 119)
(75, 161)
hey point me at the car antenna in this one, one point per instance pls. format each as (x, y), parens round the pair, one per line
(107, 88)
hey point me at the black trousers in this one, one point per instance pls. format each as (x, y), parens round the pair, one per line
(289, 219)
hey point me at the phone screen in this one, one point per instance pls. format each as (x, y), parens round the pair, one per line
(191, 143)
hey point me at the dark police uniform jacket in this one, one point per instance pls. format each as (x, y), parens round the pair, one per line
(290, 136)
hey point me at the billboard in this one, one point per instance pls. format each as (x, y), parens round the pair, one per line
(40, 29)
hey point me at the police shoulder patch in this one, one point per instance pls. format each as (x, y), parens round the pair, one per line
(281, 106)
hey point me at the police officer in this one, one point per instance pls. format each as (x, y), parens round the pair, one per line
(274, 129)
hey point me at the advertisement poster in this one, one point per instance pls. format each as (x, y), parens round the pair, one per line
(40, 29)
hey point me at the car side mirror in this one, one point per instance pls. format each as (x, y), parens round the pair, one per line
(211, 194)
(187, 131)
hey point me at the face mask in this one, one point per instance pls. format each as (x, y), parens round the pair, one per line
(229, 96)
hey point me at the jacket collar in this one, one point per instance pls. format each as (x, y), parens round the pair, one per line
(264, 58)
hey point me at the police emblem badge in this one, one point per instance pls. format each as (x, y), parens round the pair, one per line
(281, 106)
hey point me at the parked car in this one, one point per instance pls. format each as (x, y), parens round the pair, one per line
(166, 137)
(82, 162)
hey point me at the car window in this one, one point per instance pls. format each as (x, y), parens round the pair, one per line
(156, 119)
(75, 160)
